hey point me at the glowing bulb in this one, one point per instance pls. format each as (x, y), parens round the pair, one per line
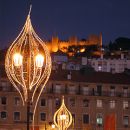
(53, 126)
(39, 60)
(18, 59)
(82, 50)
(63, 117)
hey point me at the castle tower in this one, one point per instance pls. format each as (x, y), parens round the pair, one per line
(55, 44)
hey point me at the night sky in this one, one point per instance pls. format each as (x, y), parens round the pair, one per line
(65, 18)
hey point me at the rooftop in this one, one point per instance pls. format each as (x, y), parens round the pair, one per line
(91, 77)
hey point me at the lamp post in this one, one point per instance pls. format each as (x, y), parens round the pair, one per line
(28, 65)
(62, 117)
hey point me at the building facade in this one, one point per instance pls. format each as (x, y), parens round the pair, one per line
(114, 65)
(90, 98)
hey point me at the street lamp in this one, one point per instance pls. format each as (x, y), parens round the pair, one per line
(62, 117)
(28, 65)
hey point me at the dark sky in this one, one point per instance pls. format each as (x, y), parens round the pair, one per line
(66, 18)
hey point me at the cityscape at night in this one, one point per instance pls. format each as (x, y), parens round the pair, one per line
(64, 65)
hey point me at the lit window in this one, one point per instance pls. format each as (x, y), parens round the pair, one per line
(85, 103)
(43, 102)
(3, 100)
(17, 101)
(16, 116)
(125, 120)
(72, 102)
(99, 68)
(99, 103)
(125, 104)
(85, 118)
(99, 119)
(43, 116)
(3, 115)
(112, 104)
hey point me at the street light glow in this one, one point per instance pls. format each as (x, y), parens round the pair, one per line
(18, 59)
(39, 60)
(62, 117)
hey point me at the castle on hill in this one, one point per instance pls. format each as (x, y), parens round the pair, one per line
(56, 44)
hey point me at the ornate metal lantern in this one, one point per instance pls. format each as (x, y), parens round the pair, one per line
(28, 63)
(62, 117)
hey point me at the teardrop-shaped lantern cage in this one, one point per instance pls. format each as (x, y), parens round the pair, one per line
(62, 117)
(28, 63)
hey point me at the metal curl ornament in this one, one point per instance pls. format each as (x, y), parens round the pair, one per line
(62, 117)
(28, 63)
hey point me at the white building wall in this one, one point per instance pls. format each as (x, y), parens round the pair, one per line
(108, 65)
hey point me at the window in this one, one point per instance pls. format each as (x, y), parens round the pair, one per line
(112, 91)
(3, 100)
(5, 86)
(85, 118)
(58, 88)
(99, 119)
(3, 115)
(72, 89)
(43, 116)
(72, 102)
(99, 90)
(125, 120)
(43, 102)
(85, 90)
(99, 68)
(125, 92)
(16, 116)
(99, 103)
(57, 102)
(85, 103)
(112, 104)
(125, 104)
(17, 101)
(31, 116)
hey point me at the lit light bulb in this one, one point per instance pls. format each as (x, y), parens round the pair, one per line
(53, 126)
(17, 59)
(63, 117)
(39, 60)
(82, 50)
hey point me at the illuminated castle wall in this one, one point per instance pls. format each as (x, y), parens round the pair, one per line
(56, 44)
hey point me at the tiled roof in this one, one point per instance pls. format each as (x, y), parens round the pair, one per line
(94, 77)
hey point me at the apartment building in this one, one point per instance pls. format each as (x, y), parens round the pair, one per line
(108, 64)
(91, 98)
